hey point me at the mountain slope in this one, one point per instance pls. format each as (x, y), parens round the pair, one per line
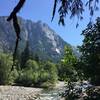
(41, 38)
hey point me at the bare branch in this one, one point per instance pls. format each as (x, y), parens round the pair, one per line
(16, 9)
(13, 16)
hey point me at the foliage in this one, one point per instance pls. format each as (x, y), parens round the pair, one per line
(34, 73)
(25, 55)
(37, 74)
(32, 64)
(69, 57)
(13, 75)
(74, 8)
(66, 70)
(72, 93)
(81, 93)
(27, 78)
(48, 75)
(79, 68)
(93, 93)
(90, 50)
(51, 69)
(28, 75)
(36, 58)
(5, 67)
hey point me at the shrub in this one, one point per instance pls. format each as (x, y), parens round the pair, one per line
(37, 75)
(51, 69)
(5, 67)
(29, 75)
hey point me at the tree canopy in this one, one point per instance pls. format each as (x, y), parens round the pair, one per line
(90, 50)
(74, 8)
(66, 69)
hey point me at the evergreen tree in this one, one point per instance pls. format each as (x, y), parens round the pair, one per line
(25, 56)
(67, 66)
(91, 52)
(36, 57)
(51, 69)
(5, 68)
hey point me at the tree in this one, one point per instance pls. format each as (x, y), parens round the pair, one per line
(36, 57)
(90, 50)
(25, 56)
(38, 74)
(67, 66)
(71, 7)
(74, 8)
(51, 69)
(69, 57)
(5, 66)
(32, 64)
(29, 75)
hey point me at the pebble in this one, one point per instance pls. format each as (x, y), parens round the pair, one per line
(18, 93)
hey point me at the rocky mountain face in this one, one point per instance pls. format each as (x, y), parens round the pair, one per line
(42, 40)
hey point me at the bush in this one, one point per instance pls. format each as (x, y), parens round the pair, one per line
(43, 76)
(29, 75)
(13, 76)
(51, 69)
(37, 75)
(32, 64)
(5, 67)
(25, 79)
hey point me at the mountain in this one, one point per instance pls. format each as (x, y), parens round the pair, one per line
(42, 40)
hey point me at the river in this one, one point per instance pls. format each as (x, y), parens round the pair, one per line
(53, 94)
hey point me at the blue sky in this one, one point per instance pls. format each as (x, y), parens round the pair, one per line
(42, 10)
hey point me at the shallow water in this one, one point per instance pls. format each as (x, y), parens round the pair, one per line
(51, 94)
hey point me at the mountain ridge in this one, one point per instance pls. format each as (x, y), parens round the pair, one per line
(42, 40)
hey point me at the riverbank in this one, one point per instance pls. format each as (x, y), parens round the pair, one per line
(23, 93)
(18, 93)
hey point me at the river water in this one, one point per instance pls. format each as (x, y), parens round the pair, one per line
(52, 94)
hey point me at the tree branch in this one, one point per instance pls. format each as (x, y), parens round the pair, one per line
(13, 16)
(16, 9)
